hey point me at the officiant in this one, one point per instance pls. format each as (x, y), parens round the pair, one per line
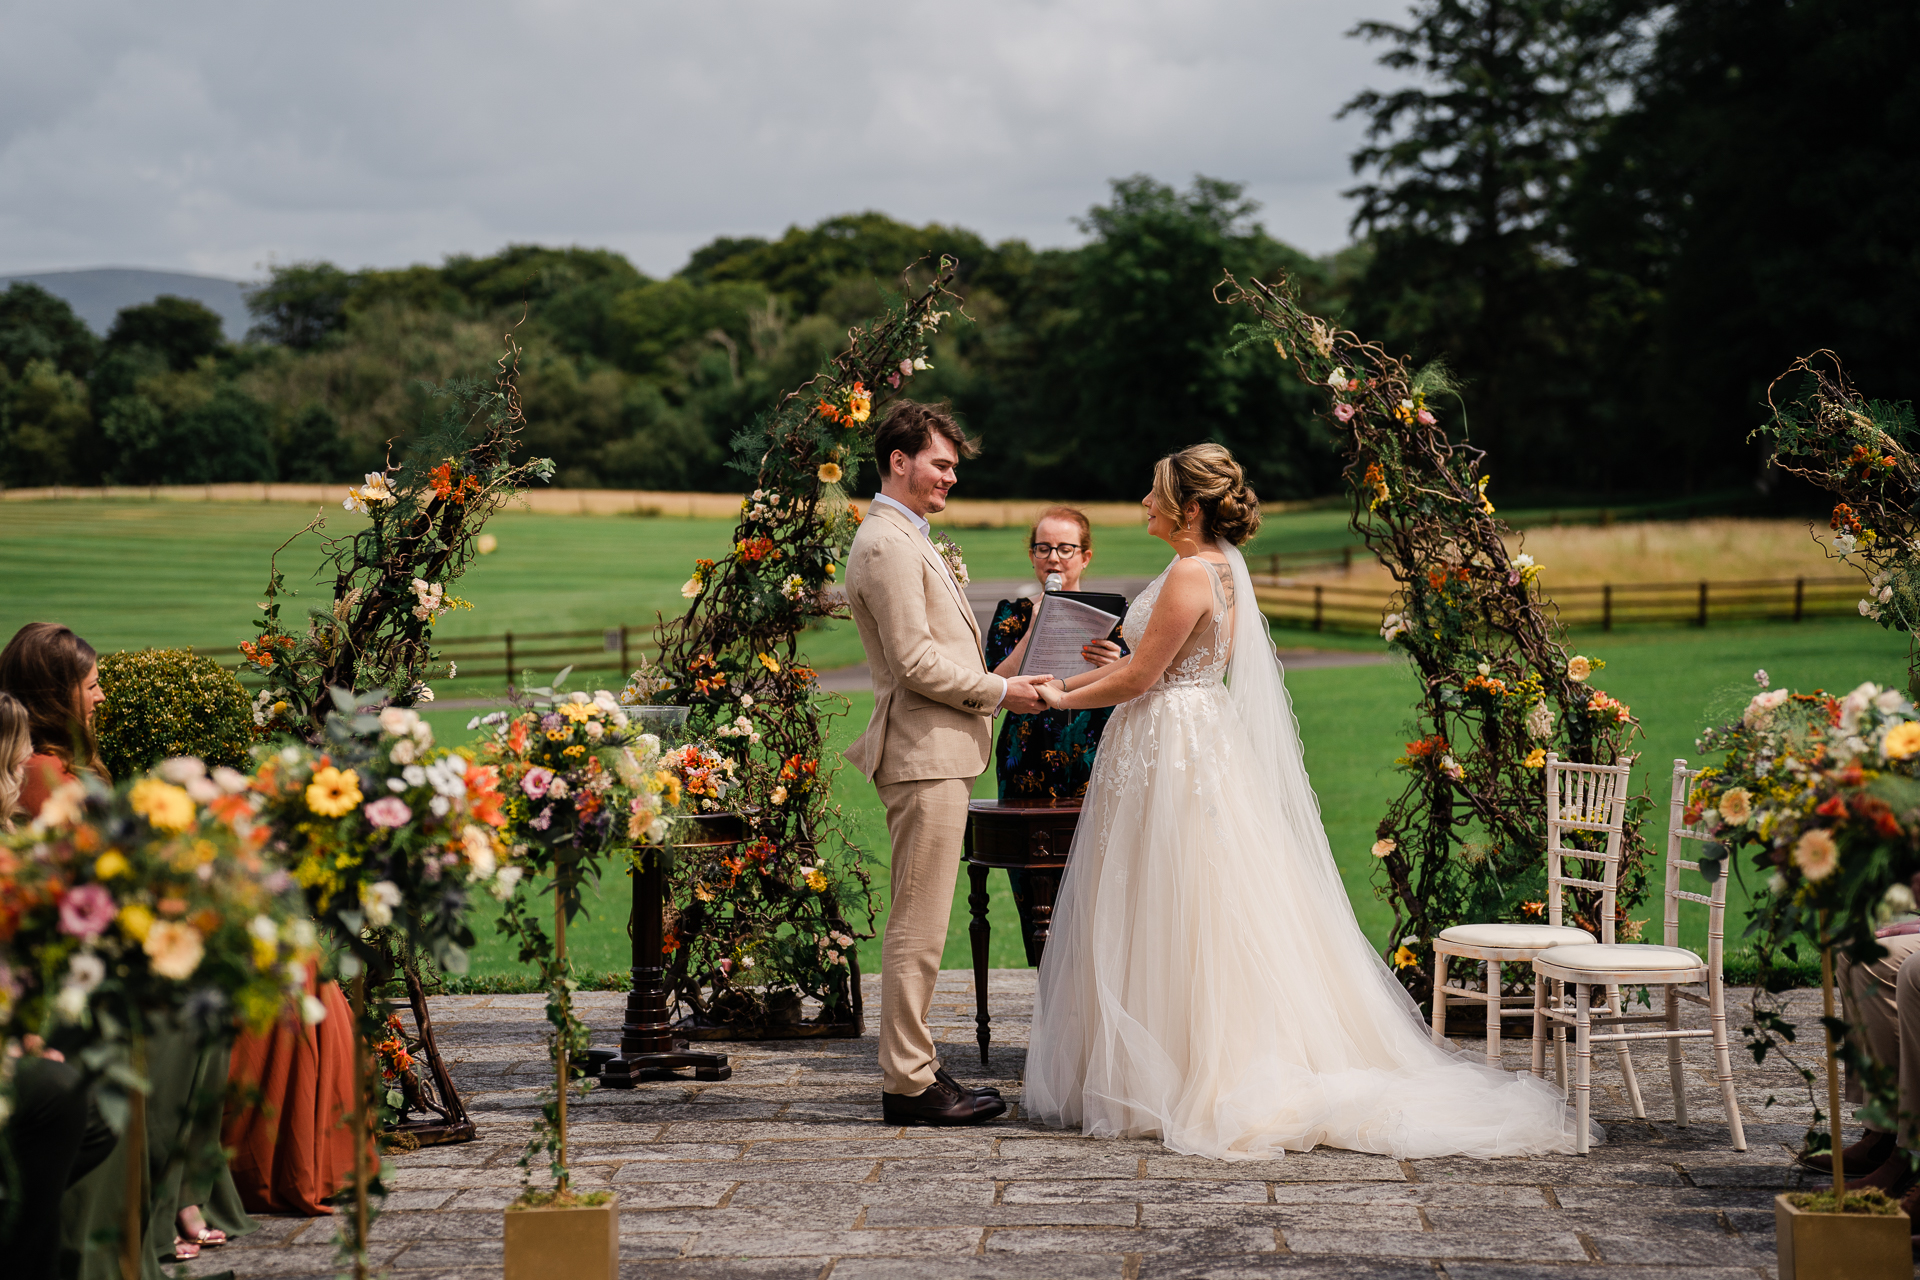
(1051, 753)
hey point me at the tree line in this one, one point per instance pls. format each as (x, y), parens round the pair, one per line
(1614, 220)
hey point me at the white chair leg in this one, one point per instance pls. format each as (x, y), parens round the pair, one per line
(1582, 1065)
(1539, 1026)
(1617, 1006)
(1439, 996)
(1723, 1060)
(1493, 1013)
(1560, 1038)
(1676, 1067)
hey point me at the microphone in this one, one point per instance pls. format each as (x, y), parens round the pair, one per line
(1054, 581)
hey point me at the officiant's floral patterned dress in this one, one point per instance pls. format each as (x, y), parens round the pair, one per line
(1046, 754)
(1049, 753)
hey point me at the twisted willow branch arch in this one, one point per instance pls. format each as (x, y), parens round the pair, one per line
(753, 929)
(1498, 688)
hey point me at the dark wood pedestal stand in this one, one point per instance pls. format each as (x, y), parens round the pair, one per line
(1029, 836)
(648, 1048)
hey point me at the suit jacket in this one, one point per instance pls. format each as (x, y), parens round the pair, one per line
(932, 694)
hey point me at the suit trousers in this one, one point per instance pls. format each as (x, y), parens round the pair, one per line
(1882, 1002)
(927, 823)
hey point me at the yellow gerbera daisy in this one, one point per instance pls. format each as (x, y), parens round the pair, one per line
(334, 793)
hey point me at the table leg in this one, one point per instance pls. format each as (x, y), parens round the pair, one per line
(978, 930)
(1042, 886)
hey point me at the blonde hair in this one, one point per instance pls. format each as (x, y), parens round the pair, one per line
(1074, 514)
(1208, 475)
(16, 744)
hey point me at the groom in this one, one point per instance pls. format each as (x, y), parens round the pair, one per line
(933, 700)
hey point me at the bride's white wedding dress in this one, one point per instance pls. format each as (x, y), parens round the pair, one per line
(1206, 982)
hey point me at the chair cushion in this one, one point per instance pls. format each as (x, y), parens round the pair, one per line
(1515, 935)
(1624, 957)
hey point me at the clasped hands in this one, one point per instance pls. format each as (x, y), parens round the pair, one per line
(1029, 695)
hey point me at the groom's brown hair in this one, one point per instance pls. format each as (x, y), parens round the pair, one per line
(908, 427)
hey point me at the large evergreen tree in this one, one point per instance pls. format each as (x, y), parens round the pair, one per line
(1471, 165)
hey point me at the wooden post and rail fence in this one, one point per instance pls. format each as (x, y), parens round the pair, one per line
(1289, 601)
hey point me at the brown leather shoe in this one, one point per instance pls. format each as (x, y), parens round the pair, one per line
(941, 1104)
(978, 1090)
(1870, 1152)
(1893, 1176)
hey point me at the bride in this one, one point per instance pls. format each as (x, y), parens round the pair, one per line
(1206, 983)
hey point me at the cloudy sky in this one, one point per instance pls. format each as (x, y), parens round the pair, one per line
(216, 137)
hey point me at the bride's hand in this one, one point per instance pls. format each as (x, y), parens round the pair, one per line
(1053, 694)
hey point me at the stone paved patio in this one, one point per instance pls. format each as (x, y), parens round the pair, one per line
(785, 1171)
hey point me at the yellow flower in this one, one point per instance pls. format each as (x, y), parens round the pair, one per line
(817, 880)
(832, 569)
(167, 807)
(333, 793)
(1737, 805)
(175, 948)
(1382, 848)
(135, 920)
(768, 661)
(110, 864)
(1579, 668)
(1816, 854)
(1536, 758)
(859, 404)
(779, 795)
(1903, 740)
(1404, 958)
(578, 712)
(829, 473)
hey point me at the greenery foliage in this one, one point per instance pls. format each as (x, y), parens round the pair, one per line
(1861, 451)
(1499, 690)
(170, 702)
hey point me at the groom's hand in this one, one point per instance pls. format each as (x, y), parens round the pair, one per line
(1023, 694)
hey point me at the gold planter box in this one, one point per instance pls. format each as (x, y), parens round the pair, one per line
(577, 1242)
(1842, 1246)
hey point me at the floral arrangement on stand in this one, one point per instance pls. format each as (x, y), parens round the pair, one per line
(1859, 450)
(1826, 793)
(584, 789)
(759, 929)
(391, 576)
(389, 835)
(1499, 688)
(123, 910)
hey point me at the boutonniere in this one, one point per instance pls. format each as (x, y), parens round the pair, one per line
(950, 552)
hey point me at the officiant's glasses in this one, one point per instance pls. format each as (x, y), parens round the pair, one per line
(1047, 550)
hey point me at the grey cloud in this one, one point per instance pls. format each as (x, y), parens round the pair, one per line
(214, 137)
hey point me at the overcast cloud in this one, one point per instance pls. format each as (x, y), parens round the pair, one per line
(216, 137)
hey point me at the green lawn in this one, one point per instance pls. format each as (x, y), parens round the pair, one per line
(128, 573)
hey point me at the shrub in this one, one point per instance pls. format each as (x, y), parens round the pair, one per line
(170, 702)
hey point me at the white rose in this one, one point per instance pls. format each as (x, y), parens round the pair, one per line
(398, 722)
(378, 900)
(311, 1010)
(504, 882)
(479, 846)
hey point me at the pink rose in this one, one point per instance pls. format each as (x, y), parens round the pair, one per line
(893, 380)
(1344, 412)
(536, 782)
(1426, 417)
(388, 811)
(906, 368)
(86, 911)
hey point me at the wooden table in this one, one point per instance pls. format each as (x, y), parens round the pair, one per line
(1030, 836)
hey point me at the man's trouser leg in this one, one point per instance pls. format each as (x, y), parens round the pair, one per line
(1908, 1000)
(1869, 1002)
(926, 821)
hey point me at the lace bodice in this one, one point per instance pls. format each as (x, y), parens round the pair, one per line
(1203, 658)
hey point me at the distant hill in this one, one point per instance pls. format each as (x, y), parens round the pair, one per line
(98, 294)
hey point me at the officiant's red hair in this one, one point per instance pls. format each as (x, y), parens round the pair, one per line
(46, 666)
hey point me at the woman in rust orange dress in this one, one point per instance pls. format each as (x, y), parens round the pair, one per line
(286, 1122)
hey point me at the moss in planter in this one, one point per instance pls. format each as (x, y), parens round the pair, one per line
(1868, 1202)
(568, 1199)
(170, 702)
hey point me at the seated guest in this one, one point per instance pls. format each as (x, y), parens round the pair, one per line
(286, 1122)
(1049, 753)
(55, 676)
(1882, 1004)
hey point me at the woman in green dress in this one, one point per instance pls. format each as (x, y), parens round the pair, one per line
(1049, 753)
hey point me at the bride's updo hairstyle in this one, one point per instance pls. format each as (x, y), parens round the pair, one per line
(1208, 475)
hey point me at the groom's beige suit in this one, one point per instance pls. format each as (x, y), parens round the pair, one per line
(933, 703)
